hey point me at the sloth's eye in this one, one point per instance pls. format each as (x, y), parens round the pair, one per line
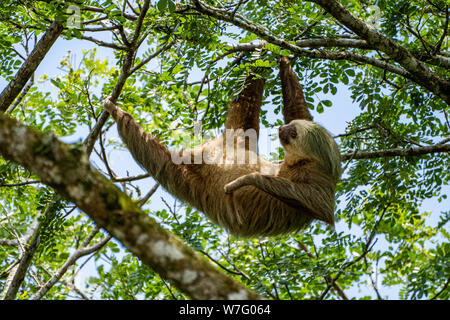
(293, 134)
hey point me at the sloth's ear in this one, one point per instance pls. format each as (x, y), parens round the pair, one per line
(294, 103)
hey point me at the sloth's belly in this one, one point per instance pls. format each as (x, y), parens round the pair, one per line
(249, 211)
(246, 212)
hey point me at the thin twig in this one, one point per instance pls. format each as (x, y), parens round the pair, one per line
(142, 201)
(442, 290)
(19, 184)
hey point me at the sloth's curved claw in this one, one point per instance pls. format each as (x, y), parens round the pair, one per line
(238, 183)
(229, 188)
(108, 105)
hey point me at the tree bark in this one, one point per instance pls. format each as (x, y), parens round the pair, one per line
(397, 152)
(27, 246)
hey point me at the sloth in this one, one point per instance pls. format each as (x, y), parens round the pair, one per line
(235, 187)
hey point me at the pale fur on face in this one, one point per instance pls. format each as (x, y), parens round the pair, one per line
(314, 142)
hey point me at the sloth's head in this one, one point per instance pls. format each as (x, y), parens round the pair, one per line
(302, 138)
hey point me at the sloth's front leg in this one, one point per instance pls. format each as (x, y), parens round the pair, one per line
(113, 110)
(240, 182)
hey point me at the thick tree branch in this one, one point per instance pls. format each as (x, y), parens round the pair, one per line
(60, 166)
(266, 35)
(331, 55)
(421, 74)
(413, 69)
(397, 152)
(436, 60)
(27, 246)
(317, 43)
(28, 68)
(338, 43)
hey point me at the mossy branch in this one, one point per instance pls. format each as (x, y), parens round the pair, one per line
(66, 168)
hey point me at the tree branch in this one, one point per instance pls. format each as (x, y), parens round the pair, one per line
(142, 201)
(444, 34)
(103, 43)
(266, 35)
(152, 56)
(26, 254)
(81, 252)
(114, 211)
(19, 184)
(328, 278)
(397, 152)
(21, 96)
(127, 70)
(420, 73)
(367, 248)
(128, 179)
(414, 69)
(434, 297)
(9, 242)
(28, 68)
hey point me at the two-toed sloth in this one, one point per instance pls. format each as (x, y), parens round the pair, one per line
(253, 197)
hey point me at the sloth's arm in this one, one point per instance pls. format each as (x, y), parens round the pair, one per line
(245, 109)
(294, 104)
(146, 150)
(318, 201)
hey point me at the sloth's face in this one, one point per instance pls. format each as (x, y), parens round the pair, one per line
(293, 136)
(287, 133)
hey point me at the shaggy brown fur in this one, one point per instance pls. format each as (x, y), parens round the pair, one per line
(250, 199)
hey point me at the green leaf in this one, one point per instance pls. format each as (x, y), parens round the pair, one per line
(319, 107)
(172, 6)
(57, 83)
(333, 89)
(327, 103)
(350, 72)
(344, 79)
(162, 5)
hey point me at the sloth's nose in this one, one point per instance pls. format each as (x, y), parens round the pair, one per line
(283, 134)
(287, 131)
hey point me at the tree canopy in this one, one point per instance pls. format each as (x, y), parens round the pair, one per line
(68, 200)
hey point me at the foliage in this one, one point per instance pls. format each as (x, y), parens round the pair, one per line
(388, 243)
